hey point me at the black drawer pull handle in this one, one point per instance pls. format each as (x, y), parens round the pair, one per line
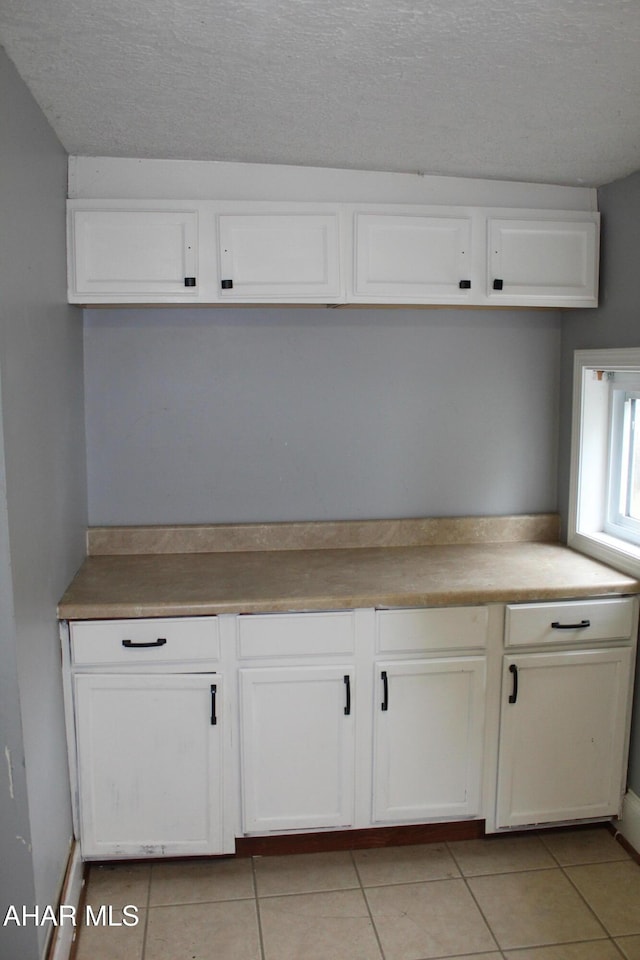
(556, 625)
(214, 691)
(513, 696)
(385, 688)
(160, 642)
(347, 684)
(498, 284)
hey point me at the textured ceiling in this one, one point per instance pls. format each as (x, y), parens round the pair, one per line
(540, 90)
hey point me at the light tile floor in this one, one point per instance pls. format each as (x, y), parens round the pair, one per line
(570, 895)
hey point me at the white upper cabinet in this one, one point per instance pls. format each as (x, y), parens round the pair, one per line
(133, 254)
(413, 258)
(170, 251)
(279, 256)
(543, 262)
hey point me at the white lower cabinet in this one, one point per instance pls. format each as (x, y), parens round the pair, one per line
(429, 728)
(150, 765)
(297, 748)
(345, 719)
(565, 710)
(562, 736)
(148, 737)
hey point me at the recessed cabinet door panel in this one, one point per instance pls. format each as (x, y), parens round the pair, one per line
(413, 258)
(279, 257)
(297, 744)
(150, 764)
(543, 261)
(143, 254)
(429, 728)
(562, 736)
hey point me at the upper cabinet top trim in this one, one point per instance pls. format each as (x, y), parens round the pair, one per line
(116, 178)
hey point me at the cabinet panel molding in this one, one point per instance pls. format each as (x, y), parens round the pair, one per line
(296, 634)
(146, 641)
(150, 764)
(415, 257)
(562, 736)
(297, 747)
(429, 731)
(271, 256)
(430, 629)
(214, 252)
(140, 254)
(581, 621)
(531, 261)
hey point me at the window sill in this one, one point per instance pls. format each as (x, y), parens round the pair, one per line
(620, 554)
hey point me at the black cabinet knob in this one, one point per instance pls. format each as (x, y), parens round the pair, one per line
(189, 281)
(465, 284)
(227, 284)
(498, 284)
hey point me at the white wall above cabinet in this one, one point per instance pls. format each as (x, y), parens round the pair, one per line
(211, 252)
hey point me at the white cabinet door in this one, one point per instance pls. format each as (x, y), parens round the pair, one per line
(543, 262)
(413, 258)
(139, 255)
(562, 736)
(297, 748)
(279, 257)
(429, 728)
(149, 764)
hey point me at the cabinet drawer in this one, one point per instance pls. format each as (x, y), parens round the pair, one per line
(144, 641)
(575, 621)
(436, 628)
(296, 634)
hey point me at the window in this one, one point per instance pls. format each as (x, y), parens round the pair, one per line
(623, 494)
(604, 508)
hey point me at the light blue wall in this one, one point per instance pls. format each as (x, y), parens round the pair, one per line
(42, 506)
(615, 323)
(237, 415)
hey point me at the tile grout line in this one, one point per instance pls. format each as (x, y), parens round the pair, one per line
(146, 915)
(366, 902)
(257, 906)
(471, 894)
(561, 868)
(584, 900)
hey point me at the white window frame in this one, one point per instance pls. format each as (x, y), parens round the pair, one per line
(589, 529)
(623, 388)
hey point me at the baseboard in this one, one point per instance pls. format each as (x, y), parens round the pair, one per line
(359, 839)
(629, 823)
(62, 940)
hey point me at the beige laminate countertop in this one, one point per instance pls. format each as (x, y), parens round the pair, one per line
(199, 584)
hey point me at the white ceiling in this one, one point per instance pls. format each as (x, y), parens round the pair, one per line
(538, 90)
